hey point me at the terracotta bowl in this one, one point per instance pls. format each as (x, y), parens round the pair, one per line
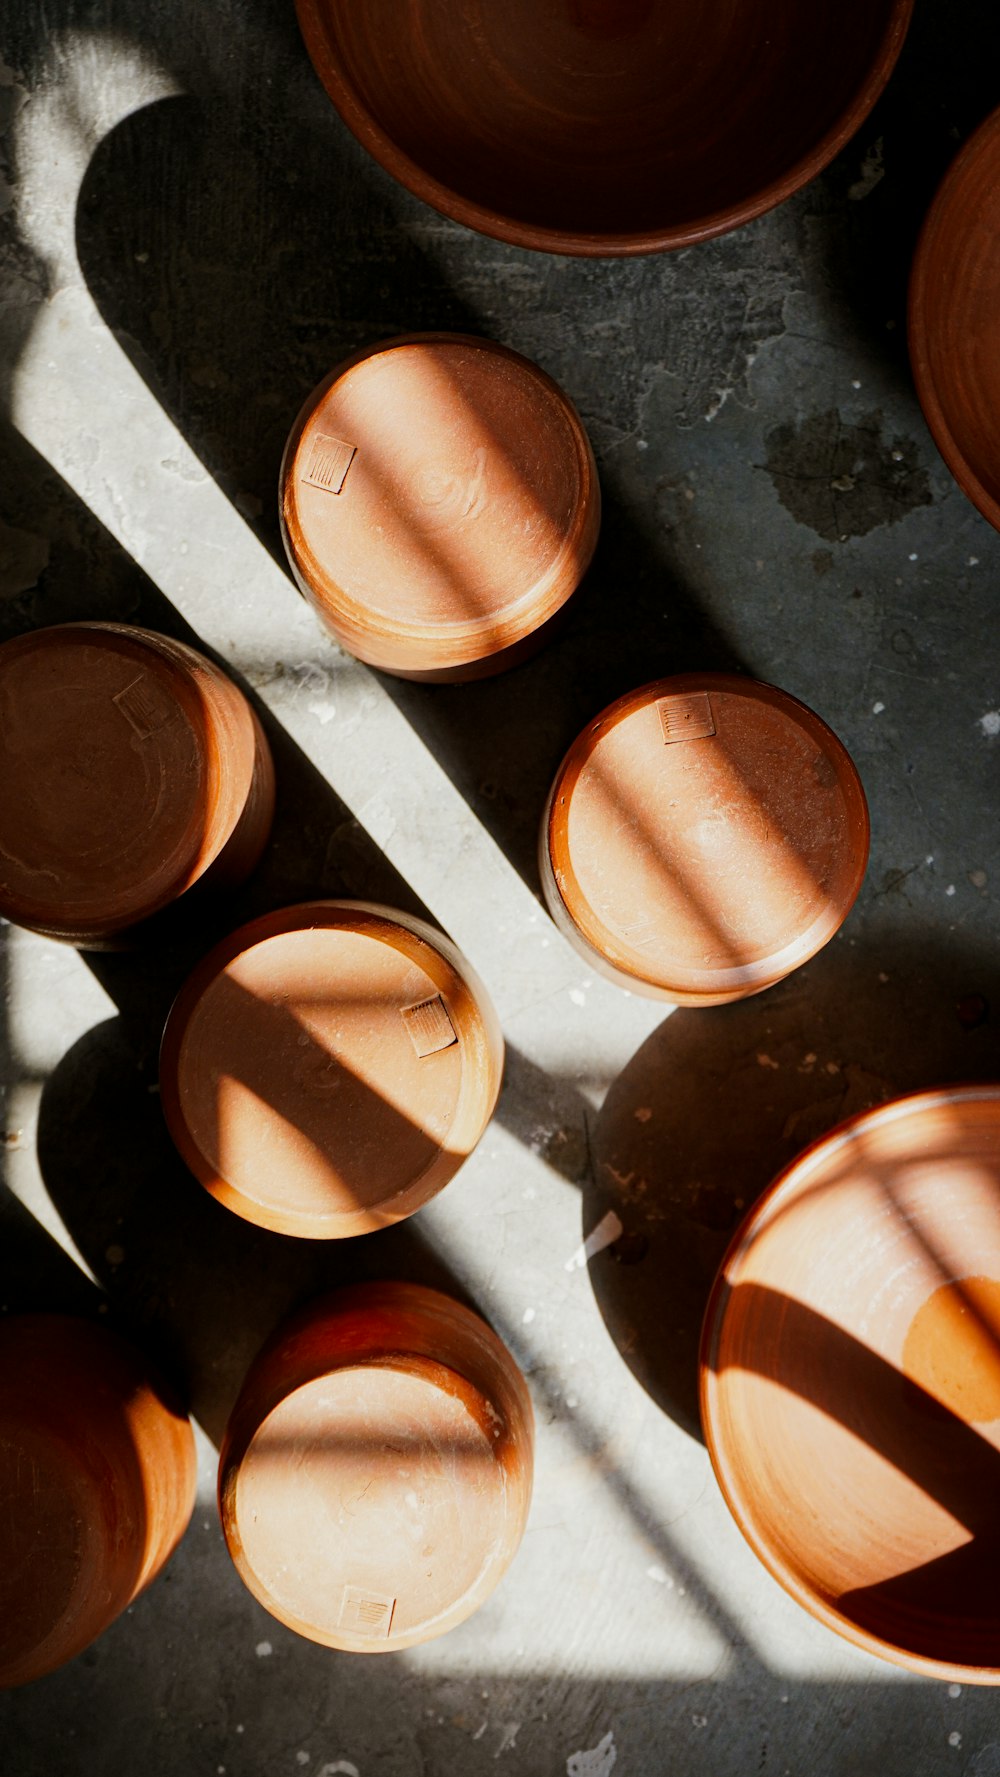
(603, 126)
(439, 504)
(954, 299)
(850, 1381)
(704, 836)
(326, 1069)
(375, 1475)
(131, 768)
(97, 1479)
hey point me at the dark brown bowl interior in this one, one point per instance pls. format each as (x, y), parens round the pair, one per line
(954, 302)
(604, 126)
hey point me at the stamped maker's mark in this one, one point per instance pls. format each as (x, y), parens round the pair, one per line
(366, 1613)
(143, 706)
(686, 717)
(428, 1026)
(329, 460)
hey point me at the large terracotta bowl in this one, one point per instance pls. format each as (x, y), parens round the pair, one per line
(850, 1382)
(954, 302)
(604, 126)
(375, 1475)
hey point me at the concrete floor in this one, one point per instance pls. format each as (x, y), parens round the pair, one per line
(190, 240)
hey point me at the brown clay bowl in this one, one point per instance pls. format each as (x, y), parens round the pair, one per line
(603, 126)
(704, 836)
(97, 1479)
(131, 768)
(439, 505)
(327, 1068)
(954, 300)
(375, 1476)
(850, 1381)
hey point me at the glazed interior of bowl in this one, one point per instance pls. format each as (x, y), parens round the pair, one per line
(628, 124)
(954, 301)
(851, 1381)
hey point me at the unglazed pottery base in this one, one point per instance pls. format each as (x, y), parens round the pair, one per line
(376, 1473)
(704, 836)
(439, 504)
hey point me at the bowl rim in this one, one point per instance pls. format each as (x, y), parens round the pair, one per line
(547, 238)
(788, 1182)
(984, 139)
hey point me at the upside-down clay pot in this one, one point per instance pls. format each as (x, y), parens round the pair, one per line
(704, 836)
(603, 126)
(326, 1069)
(954, 299)
(375, 1476)
(131, 769)
(97, 1483)
(439, 505)
(850, 1381)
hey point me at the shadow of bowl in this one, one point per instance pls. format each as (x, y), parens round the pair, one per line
(715, 1103)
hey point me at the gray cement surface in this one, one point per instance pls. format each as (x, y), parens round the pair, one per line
(190, 240)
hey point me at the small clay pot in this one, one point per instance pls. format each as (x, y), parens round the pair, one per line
(326, 1069)
(439, 504)
(375, 1476)
(703, 837)
(97, 1479)
(603, 126)
(850, 1381)
(954, 298)
(131, 768)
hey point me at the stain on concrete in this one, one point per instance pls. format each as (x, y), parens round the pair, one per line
(844, 480)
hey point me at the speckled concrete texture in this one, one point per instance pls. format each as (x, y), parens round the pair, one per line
(190, 240)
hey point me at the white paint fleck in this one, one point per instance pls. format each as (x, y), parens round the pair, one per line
(699, 1721)
(528, 1316)
(341, 1767)
(507, 1738)
(302, 1758)
(597, 1762)
(262, 1650)
(954, 1690)
(877, 708)
(323, 711)
(480, 1731)
(578, 998)
(855, 382)
(572, 1401)
(990, 723)
(973, 561)
(767, 1061)
(608, 1230)
(913, 556)
(954, 1739)
(659, 1574)
(950, 890)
